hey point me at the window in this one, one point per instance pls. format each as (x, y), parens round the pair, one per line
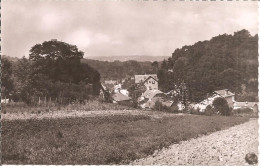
(153, 82)
(149, 81)
(150, 88)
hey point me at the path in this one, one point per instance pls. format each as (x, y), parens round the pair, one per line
(220, 148)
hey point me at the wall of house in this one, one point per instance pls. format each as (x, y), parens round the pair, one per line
(230, 101)
(151, 84)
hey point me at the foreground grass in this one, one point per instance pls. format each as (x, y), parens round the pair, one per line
(91, 105)
(101, 140)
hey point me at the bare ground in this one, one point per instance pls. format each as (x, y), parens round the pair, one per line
(220, 148)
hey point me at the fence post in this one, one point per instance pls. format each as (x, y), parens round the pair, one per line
(45, 101)
(39, 100)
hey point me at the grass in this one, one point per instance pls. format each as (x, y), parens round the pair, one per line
(101, 140)
(20, 107)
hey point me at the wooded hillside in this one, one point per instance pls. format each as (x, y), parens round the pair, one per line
(224, 62)
(120, 70)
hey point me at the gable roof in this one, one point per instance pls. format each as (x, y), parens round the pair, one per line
(141, 78)
(224, 93)
(149, 78)
(120, 97)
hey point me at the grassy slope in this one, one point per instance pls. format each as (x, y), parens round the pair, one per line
(100, 140)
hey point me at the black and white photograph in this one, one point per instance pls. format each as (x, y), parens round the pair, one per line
(129, 82)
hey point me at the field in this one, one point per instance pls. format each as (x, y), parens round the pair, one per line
(20, 107)
(117, 139)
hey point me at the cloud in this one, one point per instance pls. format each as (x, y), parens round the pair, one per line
(121, 27)
(80, 37)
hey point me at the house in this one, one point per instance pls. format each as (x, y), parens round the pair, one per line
(151, 83)
(141, 78)
(203, 104)
(121, 99)
(151, 103)
(229, 96)
(150, 97)
(149, 94)
(250, 105)
(226, 94)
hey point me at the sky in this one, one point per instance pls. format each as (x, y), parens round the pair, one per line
(121, 28)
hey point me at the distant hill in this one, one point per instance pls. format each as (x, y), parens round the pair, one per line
(139, 58)
(118, 70)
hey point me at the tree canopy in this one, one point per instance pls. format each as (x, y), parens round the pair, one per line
(224, 62)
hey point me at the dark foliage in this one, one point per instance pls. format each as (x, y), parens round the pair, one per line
(221, 106)
(224, 62)
(119, 70)
(54, 71)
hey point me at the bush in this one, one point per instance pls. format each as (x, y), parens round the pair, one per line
(195, 111)
(221, 106)
(158, 106)
(209, 111)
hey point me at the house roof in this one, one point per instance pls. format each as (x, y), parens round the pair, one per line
(141, 78)
(224, 93)
(120, 97)
(149, 78)
(245, 104)
(151, 93)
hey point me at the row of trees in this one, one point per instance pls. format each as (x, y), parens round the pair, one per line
(53, 70)
(224, 62)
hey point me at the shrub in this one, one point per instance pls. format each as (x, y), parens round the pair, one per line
(209, 111)
(158, 106)
(220, 105)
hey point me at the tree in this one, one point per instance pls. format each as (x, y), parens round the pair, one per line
(57, 60)
(155, 66)
(221, 105)
(6, 80)
(164, 65)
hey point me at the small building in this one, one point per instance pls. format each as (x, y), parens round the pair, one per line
(150, 97)
(226, 94)
(121, 99)
(141, 78)
(151, 83)
(229, 96)
(250, 105)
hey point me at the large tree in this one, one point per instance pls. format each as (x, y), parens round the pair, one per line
(57, 60)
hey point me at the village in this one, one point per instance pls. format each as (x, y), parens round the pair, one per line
(152, 94)
(129, 82)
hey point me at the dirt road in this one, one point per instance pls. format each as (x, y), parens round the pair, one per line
(220, 148)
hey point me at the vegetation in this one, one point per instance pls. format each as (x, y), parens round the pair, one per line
(221, 106)
(53, 71)
(90, 105)
(119, 70)
(101, 140)
(224, 62)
